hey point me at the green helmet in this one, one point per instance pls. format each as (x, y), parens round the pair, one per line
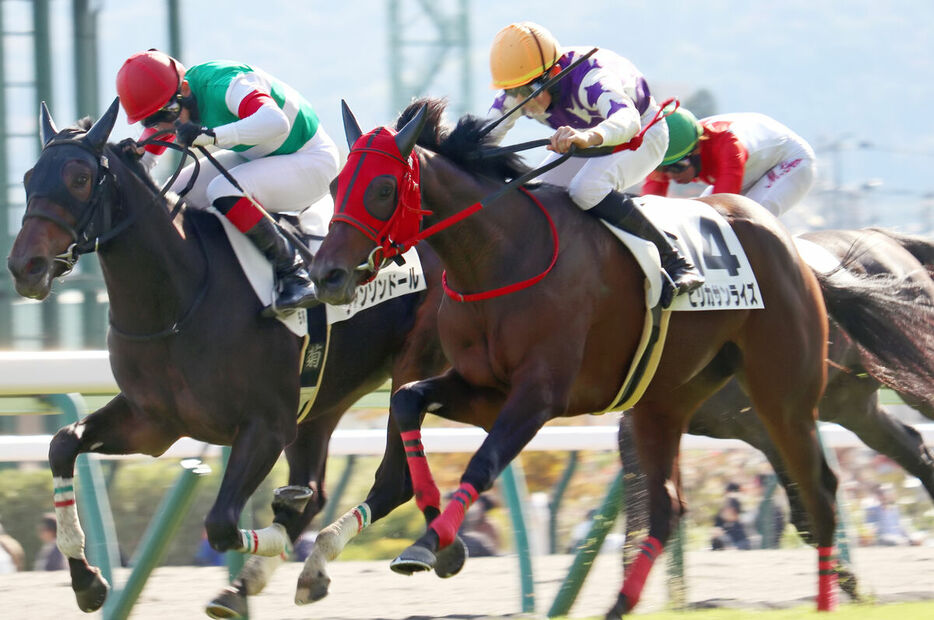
(683, 132)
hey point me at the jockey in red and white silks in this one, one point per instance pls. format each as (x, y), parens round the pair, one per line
(745, 153)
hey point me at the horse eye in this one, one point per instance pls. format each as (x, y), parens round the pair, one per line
(81, 180)
(385, 191)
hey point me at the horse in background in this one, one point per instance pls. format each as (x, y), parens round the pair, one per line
(874, 341)
(563, 346)
(188, 348)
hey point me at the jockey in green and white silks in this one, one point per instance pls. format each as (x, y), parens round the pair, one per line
(268, 137)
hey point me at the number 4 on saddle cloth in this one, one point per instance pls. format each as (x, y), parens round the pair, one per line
(729, 283)
(314, 324)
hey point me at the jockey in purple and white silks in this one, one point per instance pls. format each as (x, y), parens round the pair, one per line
(606, 101)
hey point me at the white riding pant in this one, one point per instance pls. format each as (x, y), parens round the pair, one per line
(590, 179)
(290, 182)
(785, 185)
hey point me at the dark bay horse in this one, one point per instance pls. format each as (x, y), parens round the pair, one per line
(881, 336)
(888, 343)
(562, 346)
(188, 348)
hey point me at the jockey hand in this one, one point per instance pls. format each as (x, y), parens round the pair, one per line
(562, 139)
(129, 147)
(193, 134)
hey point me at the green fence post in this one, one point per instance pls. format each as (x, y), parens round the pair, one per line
(101, 544)
(602, 522)
(677, 585)
(516, 493)
(842, 535)
(162, 527)
(554, 506)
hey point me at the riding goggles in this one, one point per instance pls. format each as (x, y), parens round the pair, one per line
(521, 92)
(677, 167)
(169, 113)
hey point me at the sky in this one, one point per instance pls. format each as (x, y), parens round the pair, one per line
(857, 74)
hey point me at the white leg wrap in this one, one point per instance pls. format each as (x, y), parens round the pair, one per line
(269, 541)
(70, 536)
(332, 540)
(256, 572)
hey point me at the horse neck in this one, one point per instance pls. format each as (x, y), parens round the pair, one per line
(489, 248)
(151, 271)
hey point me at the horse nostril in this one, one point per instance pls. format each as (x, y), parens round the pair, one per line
(36, 266)
(334, 277)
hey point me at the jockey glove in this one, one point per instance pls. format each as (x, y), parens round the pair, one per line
(193, 134)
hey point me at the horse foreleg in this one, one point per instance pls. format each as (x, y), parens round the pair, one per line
(113, 429)
(252, 455)
(307, 459)
(859, 411)
(449, 396)
(657, 439)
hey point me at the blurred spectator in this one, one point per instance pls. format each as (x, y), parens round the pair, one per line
(12, 558)
(885, 520)
(49, 557)
(729, 531)
(206, 555)
(479, 533)
(769, 521)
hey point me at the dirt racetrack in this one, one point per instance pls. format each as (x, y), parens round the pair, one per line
(489, 587)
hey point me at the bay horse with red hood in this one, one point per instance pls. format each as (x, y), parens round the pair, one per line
(535, 330)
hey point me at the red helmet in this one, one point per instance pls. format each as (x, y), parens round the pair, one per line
(146, 82)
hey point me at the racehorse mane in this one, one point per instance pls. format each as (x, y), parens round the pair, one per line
(463, 143)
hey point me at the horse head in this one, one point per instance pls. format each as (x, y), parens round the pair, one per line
(377, 207)
(63, 191)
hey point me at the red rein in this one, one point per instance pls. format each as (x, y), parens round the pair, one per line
(510, 288)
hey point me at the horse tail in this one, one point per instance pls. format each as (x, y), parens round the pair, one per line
(921, 248)
(891, 320)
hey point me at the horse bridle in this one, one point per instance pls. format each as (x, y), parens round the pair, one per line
(92, 216)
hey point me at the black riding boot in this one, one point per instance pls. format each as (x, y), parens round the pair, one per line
(295, 286)
(620, 211)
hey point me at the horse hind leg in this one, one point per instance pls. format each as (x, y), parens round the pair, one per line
(786, 402)
(113, 429)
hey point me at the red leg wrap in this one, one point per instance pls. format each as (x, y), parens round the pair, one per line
(639, 570)
(244, 215)
(449, 521)
(826, 579)
(423, 484)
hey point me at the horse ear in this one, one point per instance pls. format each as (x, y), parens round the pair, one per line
(47, 129)
(351, 126)
(408, 135)
(98, 134)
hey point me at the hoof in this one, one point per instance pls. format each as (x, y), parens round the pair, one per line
(230, 603)
(415, 559)
(849, 584)
(620, 609)
(451, 559)
(93, 596)
(293, 496)
(312, 590)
